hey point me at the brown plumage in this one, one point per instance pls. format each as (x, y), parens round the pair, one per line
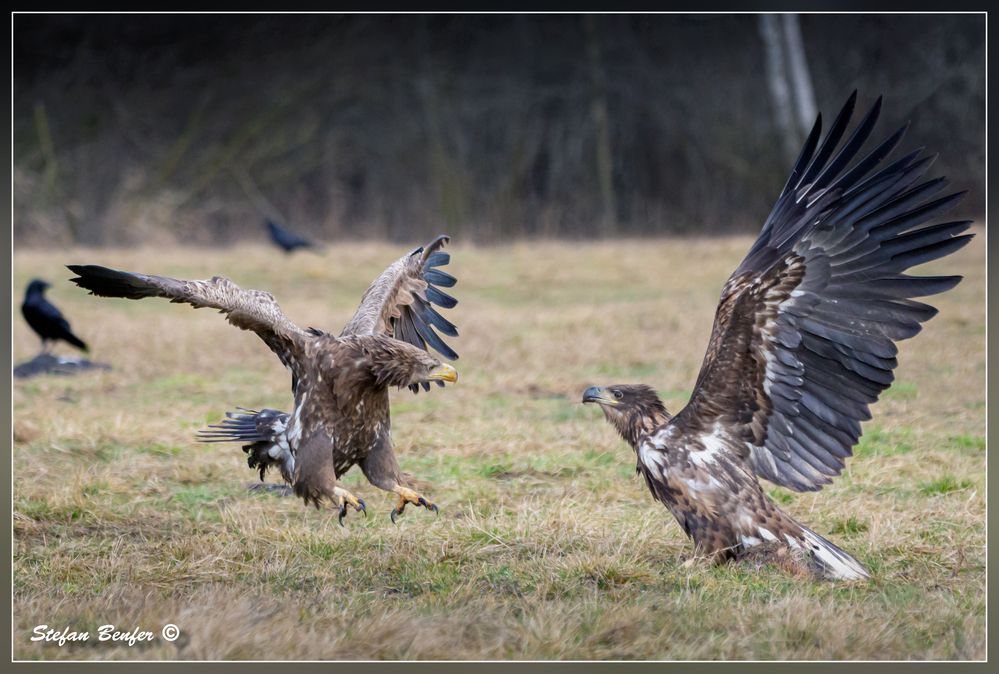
(340, 383)
(803, 343)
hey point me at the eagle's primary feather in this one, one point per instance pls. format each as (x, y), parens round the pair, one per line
(340, 383)
(803, 343)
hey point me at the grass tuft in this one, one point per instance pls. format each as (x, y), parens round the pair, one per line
(944, 485)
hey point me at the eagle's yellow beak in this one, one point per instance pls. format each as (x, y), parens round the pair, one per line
(444, 372)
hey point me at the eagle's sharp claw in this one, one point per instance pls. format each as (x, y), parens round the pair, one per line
(343, 499)
(361, 507)
(433, 507)
(407, 496)
(393, 514)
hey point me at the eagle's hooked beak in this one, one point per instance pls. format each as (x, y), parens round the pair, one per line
(444, 372)
(597, 394)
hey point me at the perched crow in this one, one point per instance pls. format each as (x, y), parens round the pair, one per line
(45, 319)
(289, 241)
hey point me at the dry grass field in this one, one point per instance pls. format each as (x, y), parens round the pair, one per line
(547, 545)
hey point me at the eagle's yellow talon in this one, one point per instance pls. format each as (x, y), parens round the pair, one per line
(410, 496)
(345, 498)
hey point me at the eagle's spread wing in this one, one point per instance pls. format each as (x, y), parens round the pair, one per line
(399, 303)
(246, 309)
(803, 339)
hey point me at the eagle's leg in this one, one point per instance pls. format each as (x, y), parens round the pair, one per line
(700, 558)
(315, 477)
(382, 470)
(786, 559)
(710, 553)
(409, 496)
(343, 499)
(336, 494)
(693, 561)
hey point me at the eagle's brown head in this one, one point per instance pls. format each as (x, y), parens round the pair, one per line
(633, 409)
(397, 363)
(431, 369)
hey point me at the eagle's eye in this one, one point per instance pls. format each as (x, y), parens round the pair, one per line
(618, 394)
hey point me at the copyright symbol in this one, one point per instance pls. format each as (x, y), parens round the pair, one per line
(170, 632)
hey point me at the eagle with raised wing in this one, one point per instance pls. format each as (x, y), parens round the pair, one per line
(340, 383)
(803, 343)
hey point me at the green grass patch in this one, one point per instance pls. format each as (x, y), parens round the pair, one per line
(877, 441)
(849, 526)
(781, 496)
(944, 485)
(902, 390)
(971, 442)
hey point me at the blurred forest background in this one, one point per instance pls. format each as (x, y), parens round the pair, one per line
(147, 129)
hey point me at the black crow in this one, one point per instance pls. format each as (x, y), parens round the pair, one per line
(289, 241)
(45, 319)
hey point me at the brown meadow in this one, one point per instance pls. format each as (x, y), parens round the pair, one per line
(547, 545)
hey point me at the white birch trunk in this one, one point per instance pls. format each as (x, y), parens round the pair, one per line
(801, 78)
(773, 44)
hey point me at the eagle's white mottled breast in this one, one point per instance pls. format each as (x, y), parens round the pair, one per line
(714, 447)
(663, 436)
(295, 427)
(652, 458)
(706, 485)
(766, 534)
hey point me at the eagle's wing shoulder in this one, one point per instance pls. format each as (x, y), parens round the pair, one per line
(400, 302)
(253, 310)
(804, 336)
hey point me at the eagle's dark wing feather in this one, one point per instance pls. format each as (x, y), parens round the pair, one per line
(399, 302)
(247, 426)
(246, 309)
(265, 438)
(804, 335)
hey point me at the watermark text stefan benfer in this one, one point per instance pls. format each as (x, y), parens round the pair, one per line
(108, 633)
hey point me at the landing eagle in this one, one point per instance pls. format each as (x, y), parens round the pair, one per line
(803, 343)
(340, 383)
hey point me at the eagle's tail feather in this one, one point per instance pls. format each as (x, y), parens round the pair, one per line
(266, 434)
(832, 562)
